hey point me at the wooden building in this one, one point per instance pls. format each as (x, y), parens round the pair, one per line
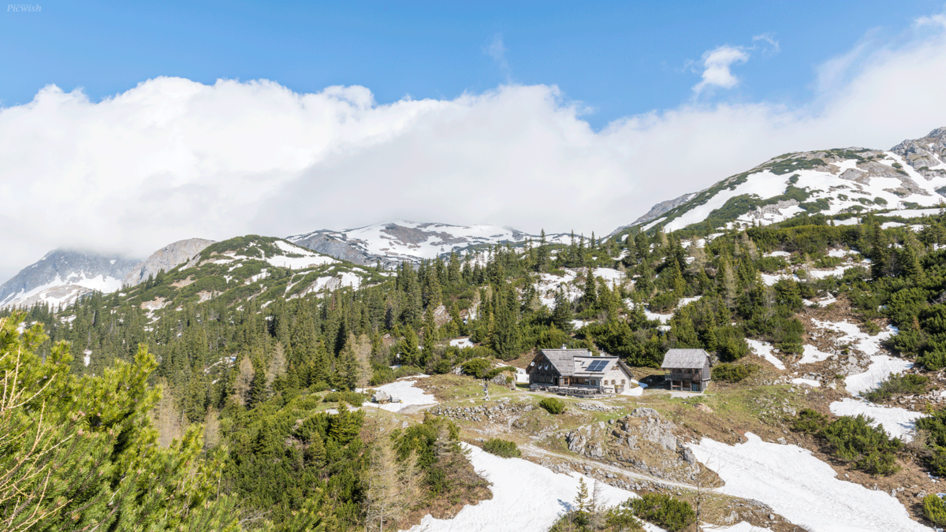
(578, 372)
(687, 369)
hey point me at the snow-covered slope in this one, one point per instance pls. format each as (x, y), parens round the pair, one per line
(394, 242)
(63, 275)
(908, 178)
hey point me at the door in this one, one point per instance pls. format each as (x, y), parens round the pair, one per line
(694, 387)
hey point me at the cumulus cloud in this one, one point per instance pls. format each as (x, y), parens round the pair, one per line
(173, 159)
(717, 67)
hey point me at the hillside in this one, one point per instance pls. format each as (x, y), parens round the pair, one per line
(907, 178)
(395, 242)
(250, 267)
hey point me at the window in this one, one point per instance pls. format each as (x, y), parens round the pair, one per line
(622, 381)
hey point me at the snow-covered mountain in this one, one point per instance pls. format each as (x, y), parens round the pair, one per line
(62, 275)
(909, 178)
(394, 242)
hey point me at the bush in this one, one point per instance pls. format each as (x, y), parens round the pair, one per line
(352, 398)
(934, 509)
(897, 385)
(503, 448)
(552, 405)
(733, 372)
(664, 511)
(476, 367)
(853, 440)
(809, 421)
(868, 448)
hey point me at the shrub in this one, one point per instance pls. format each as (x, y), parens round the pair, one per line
(934, 360)
(503, 448)
(809, 421)
(868, 448)
(352, 398)
(552, 405)
(733, 372)
(934, 509)
(476, 367)
(664, 511)
(897, 385)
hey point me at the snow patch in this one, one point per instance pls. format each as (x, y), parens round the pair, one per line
(803, 489)
(764, 350)
(898, 422)
(406, 392)
(526, 498)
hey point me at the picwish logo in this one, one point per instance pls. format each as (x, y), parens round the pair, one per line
(24, 8)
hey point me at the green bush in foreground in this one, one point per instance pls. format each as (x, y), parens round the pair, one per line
(934, 509)
(854, 440)
(502, 448)
(733, 372)
(552, 405)
(664, 511)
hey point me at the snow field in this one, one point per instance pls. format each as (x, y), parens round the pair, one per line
(307, 259)
(881, 367)
(405, 391)
(801, 488)
(812, 354)
(808, 382)
(739, 527)
(461, 342)
(898, 422)
(764, 350)
(526, 498)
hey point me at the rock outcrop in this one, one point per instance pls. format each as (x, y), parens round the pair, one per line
(165, 259)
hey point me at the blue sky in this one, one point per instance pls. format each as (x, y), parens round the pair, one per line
(616, 58)
(127, 126)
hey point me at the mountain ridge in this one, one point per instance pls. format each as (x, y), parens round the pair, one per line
(909, 176)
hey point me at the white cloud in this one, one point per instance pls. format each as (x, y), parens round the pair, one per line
(172, 158)
(497, 50)
(717, 64)
(932, 20)
(770, 46)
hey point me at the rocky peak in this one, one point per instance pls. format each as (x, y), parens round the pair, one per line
(926, 155)
(63, 274)
(165, 259)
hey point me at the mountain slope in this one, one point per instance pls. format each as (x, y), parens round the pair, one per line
(910, 176)
(62, 275)
(395, 242)
(249, 267)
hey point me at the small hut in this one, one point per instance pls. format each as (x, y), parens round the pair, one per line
(687, 369)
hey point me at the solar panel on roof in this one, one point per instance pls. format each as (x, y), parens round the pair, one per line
(598, 365)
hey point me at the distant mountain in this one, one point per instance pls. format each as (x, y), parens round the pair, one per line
(165, 259)
(910, 176)
(395, 242)
(63, 275)
(248, 267)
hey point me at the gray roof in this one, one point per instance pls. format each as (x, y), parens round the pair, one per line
(575, 362)
(564, 359)
(685, 359)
